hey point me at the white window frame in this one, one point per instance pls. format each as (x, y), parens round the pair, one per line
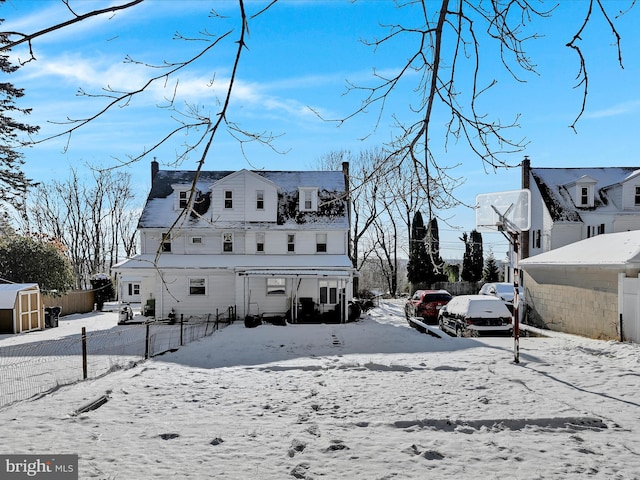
(165, 242)
(260, 242)
(227, 239)
(308, 199)
(328, 292)
(259, 199)
(134, 289)
(228, 199)
(197, 240)
(291, 242)
(197, 283)
(183, 199)
(585, 197)
(321, 243)
(276, 286)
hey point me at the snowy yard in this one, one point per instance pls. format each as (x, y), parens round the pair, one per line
(367, 400)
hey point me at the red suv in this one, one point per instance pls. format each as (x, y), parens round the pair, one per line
(427, 304)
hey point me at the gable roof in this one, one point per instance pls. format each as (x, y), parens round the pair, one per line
(159, 210)
(553, 182)
(620, 249)
(244, 171)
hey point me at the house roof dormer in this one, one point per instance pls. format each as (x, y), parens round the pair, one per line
(583, 191)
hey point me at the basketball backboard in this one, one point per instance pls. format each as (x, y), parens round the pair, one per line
(504, 211)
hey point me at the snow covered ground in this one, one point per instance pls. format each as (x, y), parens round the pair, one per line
(368, 400)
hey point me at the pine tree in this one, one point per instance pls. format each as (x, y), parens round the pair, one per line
(472, 261)
(435, 269)
(13, 182)
(417, 267)
(477, 256)
(491, 272)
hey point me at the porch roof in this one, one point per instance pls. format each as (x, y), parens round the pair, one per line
(278, 272)
(294, 264)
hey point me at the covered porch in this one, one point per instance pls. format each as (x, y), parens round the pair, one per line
(298, 295)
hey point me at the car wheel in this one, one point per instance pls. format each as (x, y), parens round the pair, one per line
(459, 332)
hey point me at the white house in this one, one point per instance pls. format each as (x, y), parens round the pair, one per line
(572, 204)
(262, 242)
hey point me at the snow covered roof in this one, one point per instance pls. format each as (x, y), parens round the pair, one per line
(612, 249)
(553, 182)
(9, 292)
(237, 262)
(159, 211)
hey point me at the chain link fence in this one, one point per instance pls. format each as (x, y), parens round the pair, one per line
(33, 369)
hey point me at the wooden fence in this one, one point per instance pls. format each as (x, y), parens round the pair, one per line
(74, 301)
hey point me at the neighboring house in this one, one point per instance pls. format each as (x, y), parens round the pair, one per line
(21, 308)
(589, 288)
(571, 204)
(129, 289)
(262, 242)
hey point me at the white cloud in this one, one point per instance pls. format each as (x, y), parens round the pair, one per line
(615, 110)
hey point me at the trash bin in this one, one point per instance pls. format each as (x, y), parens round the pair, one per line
(54, 316)
(47, 317)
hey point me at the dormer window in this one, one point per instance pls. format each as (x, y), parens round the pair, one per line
(260, 200)
(584, 196)
(584, 192)
(183, 199)
(181, 196)
(308, 199)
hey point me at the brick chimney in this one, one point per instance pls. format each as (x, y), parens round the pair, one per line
(526, 176)
(154, 169)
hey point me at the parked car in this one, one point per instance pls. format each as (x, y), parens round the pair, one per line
(505, 292)
(426, 304)
(475, 315)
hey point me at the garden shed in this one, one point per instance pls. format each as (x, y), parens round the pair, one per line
(21, 308)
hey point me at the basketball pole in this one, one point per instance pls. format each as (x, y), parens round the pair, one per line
(515, 241)
(509, 213)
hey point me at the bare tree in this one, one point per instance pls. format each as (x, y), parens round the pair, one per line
(93, 220)
(451, 80)
(366, 170)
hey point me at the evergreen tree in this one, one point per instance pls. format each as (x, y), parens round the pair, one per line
(103, 289)
(491, 272)
(13, 183)
(417, 267)
(435, 270)
(27, 260)
(477, 255)
(472, 261)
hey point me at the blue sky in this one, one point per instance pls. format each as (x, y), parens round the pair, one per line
(300, 56)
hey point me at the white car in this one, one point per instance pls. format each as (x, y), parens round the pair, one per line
(505, 292)
(475, 315)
